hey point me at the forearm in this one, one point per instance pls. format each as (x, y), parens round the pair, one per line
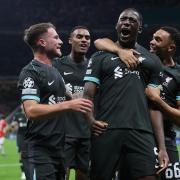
(158, 128)
(173, 113)
(106, 44)
(35, 111)
(89, 93)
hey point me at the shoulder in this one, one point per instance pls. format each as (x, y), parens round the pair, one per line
(146, 52)
(151, 59)
(32, 73)
(101, 55)
(32, 69)
(178, 67)
(58, 62)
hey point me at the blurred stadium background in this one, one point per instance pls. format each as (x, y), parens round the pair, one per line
(99, 16)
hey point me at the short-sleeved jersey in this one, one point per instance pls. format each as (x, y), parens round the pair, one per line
(73, 74)
(44, 84)
(3, 125)
(170, 93)
(21, 120)
(121, 97)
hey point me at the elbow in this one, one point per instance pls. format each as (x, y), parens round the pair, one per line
(96, 43)
(30, 113)
(89, 90)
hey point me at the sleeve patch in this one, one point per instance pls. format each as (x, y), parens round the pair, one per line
(29, 91)
(28, 82)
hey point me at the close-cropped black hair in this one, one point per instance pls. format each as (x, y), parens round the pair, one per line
(174, 34)
(140, 15)
(78, 27)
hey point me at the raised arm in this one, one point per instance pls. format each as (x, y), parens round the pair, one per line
(128, 56)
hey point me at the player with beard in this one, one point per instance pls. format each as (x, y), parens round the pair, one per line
(77, 133)
(123, 105)
(164, 44)
(43, 97)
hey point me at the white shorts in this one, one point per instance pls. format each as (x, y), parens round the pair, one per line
(2, 140)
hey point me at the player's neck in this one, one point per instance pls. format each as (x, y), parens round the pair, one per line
(77, 57)
(126, 45)
(43, 58)
(168, 61)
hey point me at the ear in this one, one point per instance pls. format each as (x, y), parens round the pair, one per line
(116, 26)
(41, 42)
(172, 47)
(70, 40)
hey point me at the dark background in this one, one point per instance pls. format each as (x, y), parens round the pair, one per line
(99, 16)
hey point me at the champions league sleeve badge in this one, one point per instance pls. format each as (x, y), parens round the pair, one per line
(28, 82)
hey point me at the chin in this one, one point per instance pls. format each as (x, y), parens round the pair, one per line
(59, 54)
(152, 51)
(82, 52)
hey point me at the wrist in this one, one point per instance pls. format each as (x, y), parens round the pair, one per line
(65, 105)
(162, 147)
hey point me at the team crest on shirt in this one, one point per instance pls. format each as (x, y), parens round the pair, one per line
(28, 82)
(141, 59)
(118, 73)
(167, 81)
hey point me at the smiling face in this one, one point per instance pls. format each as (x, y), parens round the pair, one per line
(162, 44)
(80, 41)
(128, 27)
(51, 43)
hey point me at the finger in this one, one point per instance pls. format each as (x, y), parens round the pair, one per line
(86, 101)
(133, 62)
(100, 125)
(132, 65)
(105, 124)
(86, 105)
(95, 134)
(166, 162)
(127, 64)
(88, 109)
(160, 170)
(135, 52)
(83, 111)
(98, 133)
(96, 128)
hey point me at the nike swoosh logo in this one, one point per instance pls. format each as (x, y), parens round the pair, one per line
(67, 73)
(141, 59)
(113, 58)
(50, 83)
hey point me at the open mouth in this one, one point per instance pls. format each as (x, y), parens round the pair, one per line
(152, 49)
(125, 32)
(84, 46)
